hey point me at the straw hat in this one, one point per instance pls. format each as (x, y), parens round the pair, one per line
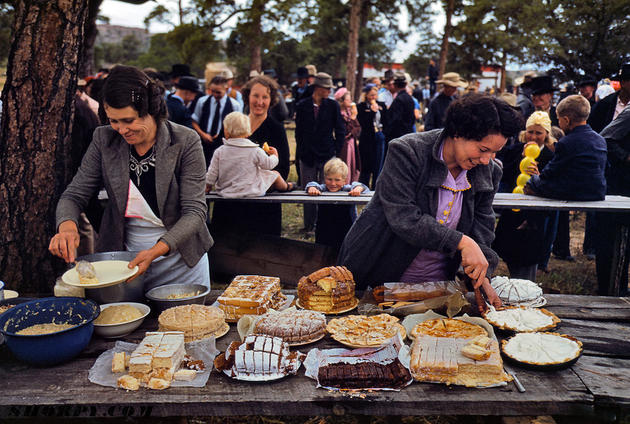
(452, 79)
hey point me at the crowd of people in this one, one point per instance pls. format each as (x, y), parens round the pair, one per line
(435, 153)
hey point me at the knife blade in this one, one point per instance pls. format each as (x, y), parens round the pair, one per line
(517, 382)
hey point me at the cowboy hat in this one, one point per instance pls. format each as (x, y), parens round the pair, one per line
(452, 79)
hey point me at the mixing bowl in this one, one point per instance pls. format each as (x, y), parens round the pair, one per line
(53, 348)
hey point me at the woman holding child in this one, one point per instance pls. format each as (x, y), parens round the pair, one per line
(432, 209)
(260, 94)
(153, 172)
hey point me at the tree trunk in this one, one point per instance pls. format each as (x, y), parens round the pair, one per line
(38, 103)
(365, 12)
(353, 46)
(257, 10)
(448, 28)
(86, 64)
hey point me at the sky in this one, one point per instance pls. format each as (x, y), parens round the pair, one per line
(132, 15)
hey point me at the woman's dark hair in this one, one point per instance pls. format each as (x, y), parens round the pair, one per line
(475, 115)
(129, 86)
(265, 81)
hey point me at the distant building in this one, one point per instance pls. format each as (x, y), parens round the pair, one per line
(114, 34)
(369, 71)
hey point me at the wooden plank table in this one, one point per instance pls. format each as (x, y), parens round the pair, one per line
(597, 385)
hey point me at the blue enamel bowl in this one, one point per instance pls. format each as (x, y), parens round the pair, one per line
(54, 348)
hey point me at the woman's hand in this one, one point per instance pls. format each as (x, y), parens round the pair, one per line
(532, 169)
(313, 191)
(144, 258)
(474, 262)
(374, 107)
(491, 295)
(273, 151)
(64, 244)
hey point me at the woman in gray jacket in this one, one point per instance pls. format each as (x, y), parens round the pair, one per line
(432, 208)
(153, 171)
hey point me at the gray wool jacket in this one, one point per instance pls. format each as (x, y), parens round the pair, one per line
(180, 189)
(400, 219)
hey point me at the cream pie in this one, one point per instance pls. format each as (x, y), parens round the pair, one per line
(521, 319)
(514, 291)
(542, 348)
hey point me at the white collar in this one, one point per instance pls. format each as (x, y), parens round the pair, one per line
(239, 142)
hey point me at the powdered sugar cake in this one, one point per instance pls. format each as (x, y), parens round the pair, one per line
(258, 358)
(293, 326)
(251, 295)
(440, 360)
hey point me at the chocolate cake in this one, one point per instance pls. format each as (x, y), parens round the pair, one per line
(363, 375)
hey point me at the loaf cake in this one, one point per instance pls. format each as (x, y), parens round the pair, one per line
(440, 360)
(251, 295)
(293, 326)
(196, 322)
(364, 375)
(329, 290)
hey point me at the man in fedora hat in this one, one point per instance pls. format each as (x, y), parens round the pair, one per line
(386, 92)
(301, 90)
(186, 88)
(611, 106)
(179, 70)
(316, 119)
(542, 95)
(586, 87)
(231, 91)
(401, 117)
(450, 81)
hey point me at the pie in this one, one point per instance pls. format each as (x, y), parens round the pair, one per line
(542, 348)
(292, 325)
(329, 290)
(251, 295)
(195, 321)
(448, 327)
(514, 291)
(521, 319)
(364, 331)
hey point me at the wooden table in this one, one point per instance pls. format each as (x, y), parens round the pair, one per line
(597, 385)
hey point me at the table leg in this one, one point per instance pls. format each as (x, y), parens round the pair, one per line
(619, 263)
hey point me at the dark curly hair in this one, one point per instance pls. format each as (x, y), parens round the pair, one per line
(129, 86)
(474, 116)
(265, 81)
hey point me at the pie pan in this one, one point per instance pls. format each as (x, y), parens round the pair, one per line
(554, 320)
(543, 366)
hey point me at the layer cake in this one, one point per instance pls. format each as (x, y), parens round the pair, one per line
(195, 321)
(328, 290)
(292, 326)
(251, 295)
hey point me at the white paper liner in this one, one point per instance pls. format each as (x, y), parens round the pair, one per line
(411, 321)
(205, 350)
(384, 354)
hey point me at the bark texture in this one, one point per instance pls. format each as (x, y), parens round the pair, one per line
(38, 103)
(353, 46)
(448, 29)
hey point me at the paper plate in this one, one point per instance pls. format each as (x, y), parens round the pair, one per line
(316, 339)
(347, 309)
(222, 331)
(108, 274)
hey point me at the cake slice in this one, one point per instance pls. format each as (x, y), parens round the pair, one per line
(142, 358)
(170, 352)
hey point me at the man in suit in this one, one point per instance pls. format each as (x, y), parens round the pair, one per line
(316, 119)
(209, 113)
(586, 87)
(186, 89)
(401, 112)
(611, 106)
(524, 97)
